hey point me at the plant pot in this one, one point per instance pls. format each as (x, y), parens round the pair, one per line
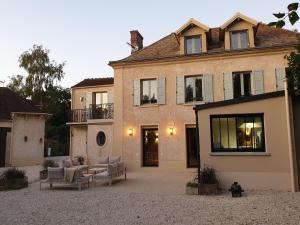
(43, 174)
(205, 189)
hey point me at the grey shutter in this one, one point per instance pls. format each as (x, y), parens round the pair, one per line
(257, 82)
(161, 91)
(280, 75)
(88, 99)
(110, 97)
(180, 89)
(207, 88)
(228, 85)
(136, 92)
(88, 102)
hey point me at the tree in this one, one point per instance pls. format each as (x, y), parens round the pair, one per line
(40, 85)
(293, 72)
(42, 73)
(291, 14)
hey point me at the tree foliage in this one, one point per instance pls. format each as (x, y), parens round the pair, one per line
(41, 86)
(291, 15)
(293, 71)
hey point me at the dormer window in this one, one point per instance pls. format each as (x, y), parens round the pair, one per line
(193, 45)
(239, 39)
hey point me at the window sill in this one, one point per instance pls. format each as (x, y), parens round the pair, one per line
(148, 105)
(240, 154)
(194, 103)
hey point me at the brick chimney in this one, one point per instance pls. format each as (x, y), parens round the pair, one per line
(136, 40)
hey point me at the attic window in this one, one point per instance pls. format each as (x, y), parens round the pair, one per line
(239, 39)
(193, 45)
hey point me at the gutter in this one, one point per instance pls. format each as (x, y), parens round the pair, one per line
(291, 139)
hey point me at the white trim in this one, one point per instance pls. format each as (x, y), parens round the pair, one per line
(192, 21)
(239, 15)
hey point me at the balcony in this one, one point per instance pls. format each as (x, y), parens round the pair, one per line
(99, 111)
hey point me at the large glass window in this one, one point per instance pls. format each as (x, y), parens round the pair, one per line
(193, 89)
(149, 92)
(193, 45)
(239, 39)
(237, 133)
(241, 84)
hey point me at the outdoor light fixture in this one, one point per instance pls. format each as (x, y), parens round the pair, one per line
(171, 131)
(130, 131)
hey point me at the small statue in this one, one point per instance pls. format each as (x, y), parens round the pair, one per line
(236, 190)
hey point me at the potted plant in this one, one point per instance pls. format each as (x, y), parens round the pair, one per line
(13, 179)
(80, 159)
(47, 163)
(208, 183)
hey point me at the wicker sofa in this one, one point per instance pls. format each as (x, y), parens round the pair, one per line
(114, 169)
(57, 176)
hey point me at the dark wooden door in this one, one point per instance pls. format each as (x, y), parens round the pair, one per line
(191, 147)
(150, 146)
(3, 134)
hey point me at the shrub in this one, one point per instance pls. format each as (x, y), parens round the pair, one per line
(12, 179)
(207, 176)
(13, 173)
(49, 163)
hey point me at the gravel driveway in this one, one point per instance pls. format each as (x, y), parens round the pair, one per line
(106, 205)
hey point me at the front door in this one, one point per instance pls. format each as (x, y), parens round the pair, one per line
(150, 146)
(191, 147)
(3, 134)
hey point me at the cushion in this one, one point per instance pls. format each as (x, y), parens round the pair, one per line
(114, 159)
(67, 163)
(103, 160)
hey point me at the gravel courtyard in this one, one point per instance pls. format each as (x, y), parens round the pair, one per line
(144, 204)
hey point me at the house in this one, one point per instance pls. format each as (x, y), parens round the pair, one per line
(22, 130)
(233, 76)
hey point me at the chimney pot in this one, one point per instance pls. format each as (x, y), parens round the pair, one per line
(136, 40)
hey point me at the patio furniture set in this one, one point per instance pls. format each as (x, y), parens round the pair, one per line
(72, 174)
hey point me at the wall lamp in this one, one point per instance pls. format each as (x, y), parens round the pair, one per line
(130, 131)
(171, 131)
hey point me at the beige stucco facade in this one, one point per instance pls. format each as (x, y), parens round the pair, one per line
(172, 149)
(25, 140)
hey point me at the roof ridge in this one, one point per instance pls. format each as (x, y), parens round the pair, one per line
(278, 28)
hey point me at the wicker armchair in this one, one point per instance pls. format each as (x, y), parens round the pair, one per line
(56, 175)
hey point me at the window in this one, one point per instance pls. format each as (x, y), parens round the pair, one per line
(239, 39)
(193, 45)
(241, 84)
(193, 88)
(100, 98)
(101, 138)
(237, 133)
(149, 91)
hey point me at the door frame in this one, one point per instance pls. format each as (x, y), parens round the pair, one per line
(142, 127)
(187, 125)
(5, 131)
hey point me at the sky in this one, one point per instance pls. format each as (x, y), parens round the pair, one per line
(87, 34)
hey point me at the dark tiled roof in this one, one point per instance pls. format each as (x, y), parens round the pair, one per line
(265, 37)
(11, 102)
(95, 82)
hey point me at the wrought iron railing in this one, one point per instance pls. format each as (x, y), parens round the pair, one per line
(95, 111)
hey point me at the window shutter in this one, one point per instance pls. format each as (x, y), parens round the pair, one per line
(161, 91)
(88, 99)
(110, 97)
(136, 92)
(88, 102)
(180, 89)
(228, 85)
(207, 88)
(280, 75)
(257, 82)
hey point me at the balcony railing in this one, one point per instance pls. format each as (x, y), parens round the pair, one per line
(99, 111)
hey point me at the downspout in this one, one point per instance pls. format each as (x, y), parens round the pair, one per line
(291, 139)
(198, 148)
